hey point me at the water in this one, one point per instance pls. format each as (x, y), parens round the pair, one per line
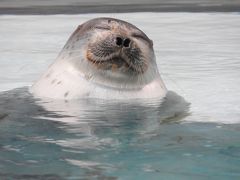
(194, 134)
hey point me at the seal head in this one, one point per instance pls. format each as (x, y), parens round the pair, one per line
(104, 54)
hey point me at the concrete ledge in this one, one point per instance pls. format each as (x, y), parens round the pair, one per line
(71, 9)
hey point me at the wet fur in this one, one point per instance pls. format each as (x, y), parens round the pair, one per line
(90, 65)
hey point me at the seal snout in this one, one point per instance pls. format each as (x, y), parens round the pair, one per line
(117, 49)
(123, 42)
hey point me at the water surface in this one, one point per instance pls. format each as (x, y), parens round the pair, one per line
(193, 134)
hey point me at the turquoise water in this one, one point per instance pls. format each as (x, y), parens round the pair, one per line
(193, 134)
(111, 140)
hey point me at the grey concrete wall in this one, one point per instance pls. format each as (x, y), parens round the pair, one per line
(105, 6)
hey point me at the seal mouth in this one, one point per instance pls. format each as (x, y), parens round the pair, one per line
(115, 63)
(122, 63)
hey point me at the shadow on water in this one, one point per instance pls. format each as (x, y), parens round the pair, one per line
(103, 139)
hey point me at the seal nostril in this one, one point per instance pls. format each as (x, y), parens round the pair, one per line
(119, 41)
(126, 42)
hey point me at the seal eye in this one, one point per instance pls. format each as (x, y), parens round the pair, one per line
(103, 27)
(139, 36)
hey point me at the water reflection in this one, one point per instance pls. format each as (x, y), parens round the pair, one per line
(93, 118)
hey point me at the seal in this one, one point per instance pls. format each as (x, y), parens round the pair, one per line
(103, 58)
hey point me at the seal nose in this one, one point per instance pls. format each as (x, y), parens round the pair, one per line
(126, 42)
(119, 41)
(123, 42)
